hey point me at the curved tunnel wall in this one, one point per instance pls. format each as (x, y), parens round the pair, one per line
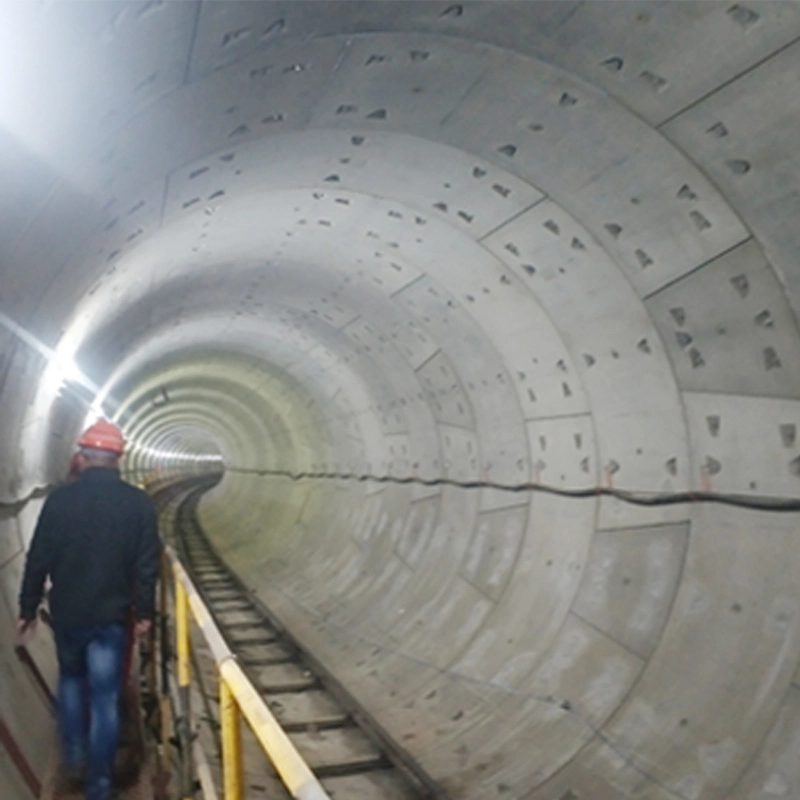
(504, 242)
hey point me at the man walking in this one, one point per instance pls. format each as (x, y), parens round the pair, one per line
(97, 540)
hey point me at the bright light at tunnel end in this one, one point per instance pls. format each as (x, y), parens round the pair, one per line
(173, 455)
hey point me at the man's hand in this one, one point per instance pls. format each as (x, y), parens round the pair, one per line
(142, 628)
(26, 629)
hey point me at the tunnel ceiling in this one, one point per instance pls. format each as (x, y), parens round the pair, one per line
(509, 242)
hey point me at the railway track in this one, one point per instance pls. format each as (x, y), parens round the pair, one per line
(347, 751)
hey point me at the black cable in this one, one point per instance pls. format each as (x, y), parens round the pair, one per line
(758, 503)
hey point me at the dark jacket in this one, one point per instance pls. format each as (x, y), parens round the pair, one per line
(98, 541)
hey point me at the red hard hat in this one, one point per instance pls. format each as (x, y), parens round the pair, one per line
(103, 435)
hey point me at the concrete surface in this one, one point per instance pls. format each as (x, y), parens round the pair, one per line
(487, 241)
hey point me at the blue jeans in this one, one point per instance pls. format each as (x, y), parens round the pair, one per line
(90, 673)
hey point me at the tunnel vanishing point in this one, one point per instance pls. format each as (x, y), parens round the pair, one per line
(427, 277)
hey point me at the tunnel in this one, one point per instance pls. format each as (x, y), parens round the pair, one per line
(486, 311)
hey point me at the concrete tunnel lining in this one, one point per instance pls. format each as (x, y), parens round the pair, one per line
(504, 241)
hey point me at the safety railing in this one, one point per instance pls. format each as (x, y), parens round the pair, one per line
(238, 697)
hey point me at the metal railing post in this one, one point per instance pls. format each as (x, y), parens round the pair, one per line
(295, 773)
(232, 772)
(184, 688)
(165, 655)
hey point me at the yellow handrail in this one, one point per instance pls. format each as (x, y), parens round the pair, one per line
(237, 694)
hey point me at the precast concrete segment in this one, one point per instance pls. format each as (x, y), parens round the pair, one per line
(743, 137)
(709, 341)
(506, 241)
(636, 51)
